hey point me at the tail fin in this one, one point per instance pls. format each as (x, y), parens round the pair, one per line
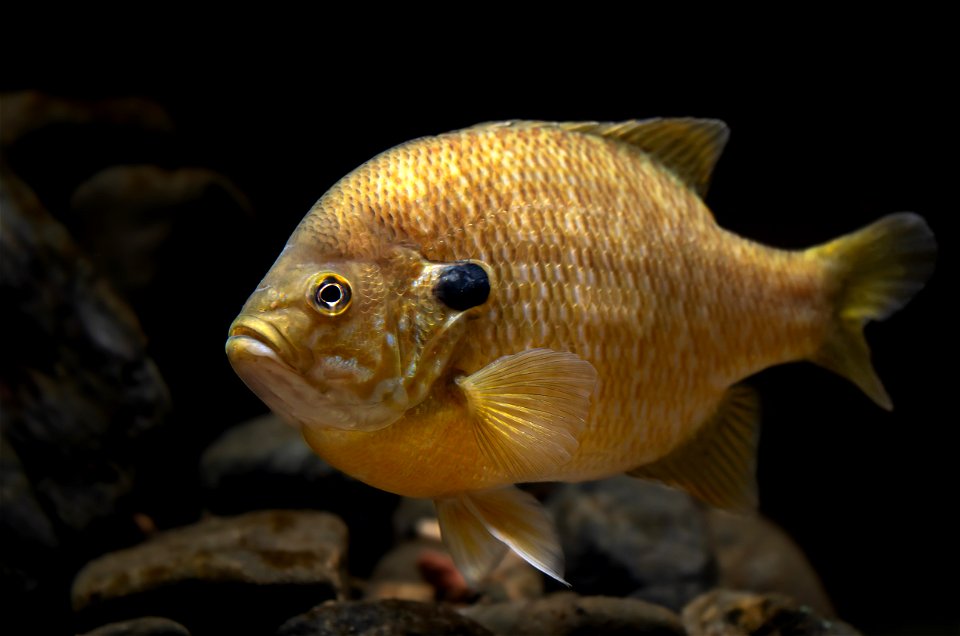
(876, 270)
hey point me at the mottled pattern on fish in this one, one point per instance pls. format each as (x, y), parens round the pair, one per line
(594, 248)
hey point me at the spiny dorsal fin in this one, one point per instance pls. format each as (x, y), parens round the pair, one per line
(718, 465)
(687, 146)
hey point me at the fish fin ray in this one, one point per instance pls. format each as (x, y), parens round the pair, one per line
(474, 550)
(876, 271)
(718, 465)
(687, 146)
(528, 409)
(518, 520)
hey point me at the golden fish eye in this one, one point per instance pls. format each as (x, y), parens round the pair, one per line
(331, 294)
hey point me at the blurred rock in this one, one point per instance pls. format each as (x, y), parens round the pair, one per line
(78, 391)
(728, 613)
(567, 613)
(398, 574)
(241, 574)
(627, 537)
(149, 626)
(25, 112)
(28, 563)
(55, 143)
(754, 554)
(264, 463)
(409, 516)
(381, 618)
(124, 215)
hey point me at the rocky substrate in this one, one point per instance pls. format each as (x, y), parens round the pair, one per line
(116, 522)
(642, 559)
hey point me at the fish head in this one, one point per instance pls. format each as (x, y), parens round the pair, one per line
(352, 343)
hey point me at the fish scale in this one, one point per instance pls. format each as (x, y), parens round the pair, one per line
(603, 328)
(623, 200)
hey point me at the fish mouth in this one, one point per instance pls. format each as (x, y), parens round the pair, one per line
(258, 337)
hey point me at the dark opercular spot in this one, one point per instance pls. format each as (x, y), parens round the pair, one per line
(462, 286)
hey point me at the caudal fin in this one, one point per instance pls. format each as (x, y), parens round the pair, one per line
(876, 271)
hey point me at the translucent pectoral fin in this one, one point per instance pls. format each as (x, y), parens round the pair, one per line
(529, 408)
(478, 527)
(718, 465)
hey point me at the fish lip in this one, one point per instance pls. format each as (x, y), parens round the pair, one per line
(266, 334)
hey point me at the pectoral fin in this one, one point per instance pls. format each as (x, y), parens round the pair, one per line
(477, 528)
(529, 408)
(718, 465)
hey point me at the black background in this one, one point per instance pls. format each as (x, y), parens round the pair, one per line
(829, 133)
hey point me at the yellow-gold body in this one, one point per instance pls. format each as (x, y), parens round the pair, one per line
(617, 319)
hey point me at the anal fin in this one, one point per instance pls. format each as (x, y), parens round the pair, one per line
(478, 527)
(718, 465)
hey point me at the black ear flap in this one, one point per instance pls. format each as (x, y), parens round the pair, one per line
(462, 286)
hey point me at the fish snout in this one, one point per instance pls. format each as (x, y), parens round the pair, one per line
(261, 335)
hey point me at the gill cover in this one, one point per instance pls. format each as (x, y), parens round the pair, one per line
(352, 345)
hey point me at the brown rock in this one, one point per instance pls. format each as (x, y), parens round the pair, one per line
(149, 626)
(754, 554)
(25, 112)
(249, 572)
(728, 613)
(398, 575)
(78, 390)
(381, 618)
(264, 464)
(567, 613)
(124, 215)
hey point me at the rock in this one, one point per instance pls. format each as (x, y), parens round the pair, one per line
(627, 537)
(55, 143)
(124, 216)
(264, 463)
(398, 575)
(26, 112)
(381, 618)
(239, 574)
(28, 561)
(567, 613)
(410, 515)
(79, 394)
(728, 613)
(149, 626)
(754, 554)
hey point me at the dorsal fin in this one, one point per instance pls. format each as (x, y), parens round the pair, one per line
(718, 465)
(687, 146)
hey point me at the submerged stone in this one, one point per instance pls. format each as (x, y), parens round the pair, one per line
(246, 573)
(566, 613)
(627, 537)
(730, 613)
(381, 618)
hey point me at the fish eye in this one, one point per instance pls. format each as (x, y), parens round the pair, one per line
(462, 286)
(331, 294)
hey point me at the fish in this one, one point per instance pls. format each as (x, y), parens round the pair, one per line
(527, 301)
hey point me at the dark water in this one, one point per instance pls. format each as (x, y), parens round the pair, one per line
(869, 495)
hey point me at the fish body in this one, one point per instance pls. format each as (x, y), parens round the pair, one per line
(528, 301)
